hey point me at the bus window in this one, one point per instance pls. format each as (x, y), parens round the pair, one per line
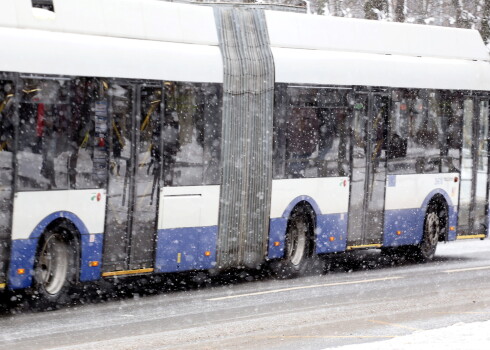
(191, 134)
(311, 132)
(44, 119)
(87, 166)
(62, 124)
(6, 169)
(424, 132)
(333, 143)
(452, 115)
(481, 143)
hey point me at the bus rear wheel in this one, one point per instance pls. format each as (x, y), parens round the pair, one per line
(298, 254)
(434, 224)
(54, 270)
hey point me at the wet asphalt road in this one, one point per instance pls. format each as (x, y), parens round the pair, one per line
(360, 298)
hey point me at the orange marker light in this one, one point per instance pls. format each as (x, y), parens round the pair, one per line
(452, 228)
(332, 239)
(277, 244)
(207, 253)
(93, 263)
(21, 271)
(398, 232)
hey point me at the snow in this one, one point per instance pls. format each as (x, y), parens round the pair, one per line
(458, 336)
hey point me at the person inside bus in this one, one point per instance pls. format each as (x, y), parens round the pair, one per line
(170, 132)
(6, 118)
(302, 136)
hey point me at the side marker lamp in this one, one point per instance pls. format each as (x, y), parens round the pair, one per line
(93, 263)
(207, 253)
(332, 238)
(277, 244)
(21, 271)
(452, 228)
(398, 233)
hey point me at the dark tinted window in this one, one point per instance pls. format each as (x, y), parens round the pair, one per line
(425, 132)
(311, 133)
(62, 128)
(192, 134)
(7, 111)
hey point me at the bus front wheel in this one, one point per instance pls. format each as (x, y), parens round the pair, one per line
(434, 223)
(298, 254)
(54, 270)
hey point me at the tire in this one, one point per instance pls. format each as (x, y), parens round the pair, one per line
(298, 252)
(434, 226)
(54, 270)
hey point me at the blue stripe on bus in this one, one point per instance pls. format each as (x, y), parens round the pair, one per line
(410, 225)
(331, 234)
(453, 222)
(408, 222)
(277, 233)
(183, 249)
(22, 257)
(91, 251)
(23, 252)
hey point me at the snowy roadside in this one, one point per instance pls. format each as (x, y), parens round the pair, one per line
(456, 337)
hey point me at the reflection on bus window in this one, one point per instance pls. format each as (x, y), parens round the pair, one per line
(424, 132)
(6, 148)
(191, 134)
(88, 159)
(62, 135)
(149, 157)
(311, 133)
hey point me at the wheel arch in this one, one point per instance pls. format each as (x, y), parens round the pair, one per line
(302, 202)
(440, 202)
(58, 218)
(308, 208)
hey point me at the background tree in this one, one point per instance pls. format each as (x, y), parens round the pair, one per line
(485, 27)
(375, 9)
(400, 11)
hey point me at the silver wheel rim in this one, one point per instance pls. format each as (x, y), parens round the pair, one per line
(53, 265)
(297, 242)
(432, 230)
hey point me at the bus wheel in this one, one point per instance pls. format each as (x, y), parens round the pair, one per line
(54, 270)
(434, 221)
(298, 250)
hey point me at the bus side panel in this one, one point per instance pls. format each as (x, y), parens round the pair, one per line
(187, 228)
(329, 198)
(184, 249)
(407, 197)
(34, 211)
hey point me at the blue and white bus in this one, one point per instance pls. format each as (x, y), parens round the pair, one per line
(148, 137)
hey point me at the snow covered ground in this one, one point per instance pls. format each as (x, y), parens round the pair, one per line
(456, 337)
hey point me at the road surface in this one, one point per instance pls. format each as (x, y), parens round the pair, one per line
(361, 298)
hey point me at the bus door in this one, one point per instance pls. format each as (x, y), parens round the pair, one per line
(473, 199)
(368, 175)
(134, 173)
(7, 112)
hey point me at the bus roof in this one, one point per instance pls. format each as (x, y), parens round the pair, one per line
(96, 38)
(185, 23)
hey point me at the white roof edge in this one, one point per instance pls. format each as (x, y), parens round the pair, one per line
(94, 56)
(321, 67)
(133, 19)
(292, 30)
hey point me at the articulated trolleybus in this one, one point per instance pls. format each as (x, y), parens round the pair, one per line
(145, 137)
